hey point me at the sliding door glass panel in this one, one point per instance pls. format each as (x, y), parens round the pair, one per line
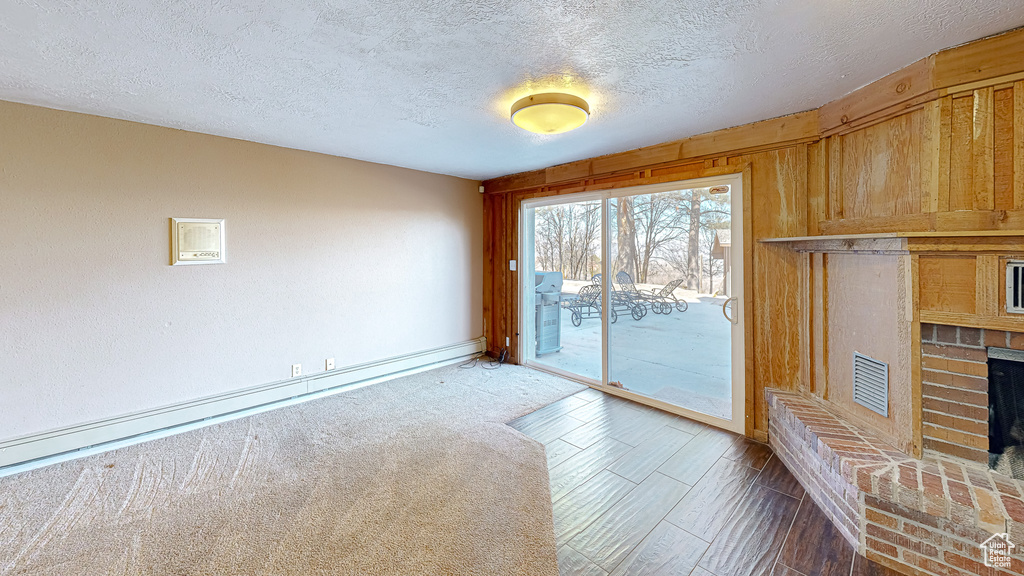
(669, 336)
(562, 305)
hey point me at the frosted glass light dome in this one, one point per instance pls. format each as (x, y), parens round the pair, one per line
(551, 113)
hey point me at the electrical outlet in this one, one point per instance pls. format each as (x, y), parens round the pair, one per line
(329, 364)
(296, 370)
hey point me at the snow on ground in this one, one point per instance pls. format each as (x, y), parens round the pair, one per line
(683, 358)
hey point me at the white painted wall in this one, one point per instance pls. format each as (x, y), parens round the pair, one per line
(326, 257)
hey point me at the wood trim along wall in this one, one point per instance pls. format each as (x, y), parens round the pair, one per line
(712, 147)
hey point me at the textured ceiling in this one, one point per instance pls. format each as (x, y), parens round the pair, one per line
(427, 84)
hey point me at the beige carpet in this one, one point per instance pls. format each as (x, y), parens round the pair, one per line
(414, 476)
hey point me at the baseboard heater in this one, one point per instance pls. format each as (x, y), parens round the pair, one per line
(168, 420)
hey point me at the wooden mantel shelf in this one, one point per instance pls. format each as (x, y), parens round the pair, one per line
(1002, 241)
(953, 234)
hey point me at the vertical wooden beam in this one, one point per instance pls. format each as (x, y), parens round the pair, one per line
(798, 212)
(512, 296)
(817, 187)
(907, 357)
(986, 292)
(504, 303)
(961, 156)
(983, 149)
(1003, 148)
(756, 423)
(935, 156)
(835, 178)
(1018, 144)
(907, 290)
(806, 298)
(917, 418)
(490, 229)
(821, 325)
(909, 201)
(945, 145)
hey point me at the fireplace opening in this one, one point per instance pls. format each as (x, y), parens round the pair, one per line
(1006, 411)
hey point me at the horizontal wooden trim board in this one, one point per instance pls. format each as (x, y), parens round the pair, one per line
(177, 418)
(783, 131)
(900, 86)
(831, 237)
(996, 241)
(824, 244)
(878, 235)
(969, 222)
(980, 64)
(1008, 323)
(992, 57)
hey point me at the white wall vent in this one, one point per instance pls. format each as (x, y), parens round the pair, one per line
(871, 383)
(197, 241)
(1015, 287)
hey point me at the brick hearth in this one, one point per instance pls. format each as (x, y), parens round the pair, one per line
(930, 515)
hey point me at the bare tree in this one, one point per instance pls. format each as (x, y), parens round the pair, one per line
(589, 262)
(566, 239)
(693, 239)
(659, 220)
(675, 228)
(701, 212)
(625, 236)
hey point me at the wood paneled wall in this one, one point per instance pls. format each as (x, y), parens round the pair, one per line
(954, 164)
(937, 146)
(964, 284)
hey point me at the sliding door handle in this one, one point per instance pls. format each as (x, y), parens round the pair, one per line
(725, 311)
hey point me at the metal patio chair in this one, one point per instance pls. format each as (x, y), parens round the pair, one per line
(587, 305)
(628, 297)
(662, 301)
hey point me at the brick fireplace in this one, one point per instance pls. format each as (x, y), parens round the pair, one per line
(928, 514)
(901, 463)
(955, 388)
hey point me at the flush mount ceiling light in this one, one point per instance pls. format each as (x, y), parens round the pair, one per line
(551, 113)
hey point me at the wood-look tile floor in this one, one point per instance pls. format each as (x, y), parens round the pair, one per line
(638, 491)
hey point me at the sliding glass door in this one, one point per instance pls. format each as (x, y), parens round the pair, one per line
(663, 258)
(562, 304)
(639, 291)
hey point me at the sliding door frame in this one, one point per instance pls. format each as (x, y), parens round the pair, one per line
(738, 178)
(527, 288)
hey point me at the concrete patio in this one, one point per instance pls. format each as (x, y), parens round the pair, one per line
(683, 357)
